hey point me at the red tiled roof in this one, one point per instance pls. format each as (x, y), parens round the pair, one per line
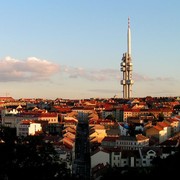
(109, 138)
(68, 142)
(159, 128)
(162, 124)
(62, 109)
(27, 122)
(6, 99)
(37, 114)
(172, 120)
(140, 137)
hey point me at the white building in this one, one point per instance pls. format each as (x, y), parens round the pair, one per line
(28, 127)
(132, 142)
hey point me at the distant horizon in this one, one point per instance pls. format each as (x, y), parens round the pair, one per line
(89, 98)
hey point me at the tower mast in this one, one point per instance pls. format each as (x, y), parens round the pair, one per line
(129, 38)
(126, 67)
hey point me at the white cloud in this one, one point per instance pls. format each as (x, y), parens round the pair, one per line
(92, 74)
(35, 69)
(31, 69)
(139, 77)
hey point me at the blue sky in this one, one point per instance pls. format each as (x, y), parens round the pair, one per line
(73, 48)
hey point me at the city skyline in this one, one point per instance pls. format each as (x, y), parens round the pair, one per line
(73, 49)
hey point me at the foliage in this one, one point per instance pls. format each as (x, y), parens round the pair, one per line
(110, 117)
(160, 117)
(29, 158)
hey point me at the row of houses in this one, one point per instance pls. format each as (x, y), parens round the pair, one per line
(111, 141)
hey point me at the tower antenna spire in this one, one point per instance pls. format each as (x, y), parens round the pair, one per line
(128, 22)
(129, 38)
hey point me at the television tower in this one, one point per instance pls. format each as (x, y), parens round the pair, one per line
(126, 67)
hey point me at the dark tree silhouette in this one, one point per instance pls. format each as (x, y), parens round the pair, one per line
(30, 158)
